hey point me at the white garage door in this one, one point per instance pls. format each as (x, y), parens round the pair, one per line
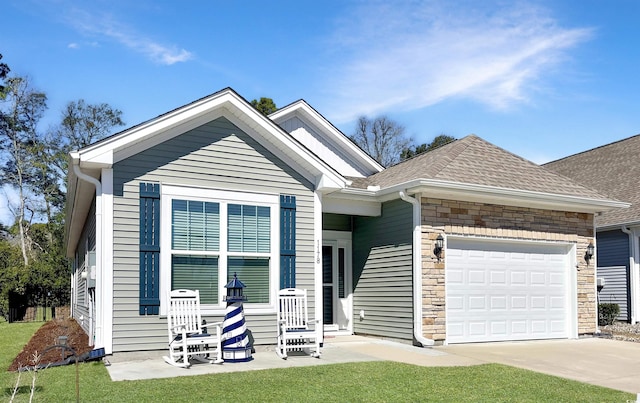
(498, 291)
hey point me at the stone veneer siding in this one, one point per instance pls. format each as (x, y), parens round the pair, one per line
(504, 222)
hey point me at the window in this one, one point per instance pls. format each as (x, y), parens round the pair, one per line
(214, 234)
(249, 244)
(195, 246)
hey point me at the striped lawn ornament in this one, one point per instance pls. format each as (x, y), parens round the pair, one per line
(235, 340)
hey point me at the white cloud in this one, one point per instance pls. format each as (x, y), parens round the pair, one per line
(406, 57)
(106, 26)
(73, 45)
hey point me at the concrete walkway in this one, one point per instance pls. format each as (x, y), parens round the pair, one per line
(609, 363)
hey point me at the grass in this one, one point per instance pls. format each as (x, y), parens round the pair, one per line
(354, 382)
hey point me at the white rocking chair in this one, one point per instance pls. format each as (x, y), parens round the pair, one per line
(294, 330)
(187, 338)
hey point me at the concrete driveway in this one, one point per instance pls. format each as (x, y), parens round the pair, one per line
(609, 363)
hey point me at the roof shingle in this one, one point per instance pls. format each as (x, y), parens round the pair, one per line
(613, 170)
(472, 160)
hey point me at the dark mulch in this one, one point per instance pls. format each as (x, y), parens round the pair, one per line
(46, 337)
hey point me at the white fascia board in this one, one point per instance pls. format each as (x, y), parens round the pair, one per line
(228, 104)
(329, 183)
(485, 194)
(104, 160)
(289, 149)
(367, 208)
(630, 224)
(301, 108)
(156, 130)
(497, 195)
(283, 146)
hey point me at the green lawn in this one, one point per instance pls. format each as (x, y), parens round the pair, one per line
(356, 382)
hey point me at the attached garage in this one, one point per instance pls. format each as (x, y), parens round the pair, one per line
(505, 290)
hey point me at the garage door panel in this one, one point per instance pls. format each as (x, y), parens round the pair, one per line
(538, 302)
(455, 329)
(498, 278)
(498, 302)
(539, 326)
(556, 279)
(477, 328)
(557, 303)
(516, 256)
(505, 291)
(477, 276)
(558, 327)
(455, 277)
(456, 303)
(538, 278)
(518, 277)
(518, 302)
(477, 303)
(499, 327)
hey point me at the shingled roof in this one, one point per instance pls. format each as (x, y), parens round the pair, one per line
(472, 160)
(613, 170)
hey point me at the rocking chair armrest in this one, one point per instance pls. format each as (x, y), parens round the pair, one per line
(177, 327)
(314, 324)
(282, 326)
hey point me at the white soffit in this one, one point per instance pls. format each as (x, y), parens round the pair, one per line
(310, 116)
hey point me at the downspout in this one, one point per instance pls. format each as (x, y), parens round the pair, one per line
(417, 271)
(99, 248)
(88, 178)
(633, 275)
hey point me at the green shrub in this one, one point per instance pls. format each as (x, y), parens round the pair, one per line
(607, 313)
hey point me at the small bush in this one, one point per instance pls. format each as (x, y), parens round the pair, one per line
(607, 313)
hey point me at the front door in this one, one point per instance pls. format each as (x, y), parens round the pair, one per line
(336, 283)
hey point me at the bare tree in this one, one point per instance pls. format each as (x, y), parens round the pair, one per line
(382, 138)
(81, 124)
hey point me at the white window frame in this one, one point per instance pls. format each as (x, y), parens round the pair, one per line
(223, 198)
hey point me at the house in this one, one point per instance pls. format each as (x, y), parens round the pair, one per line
(214, 188)
(613, 170)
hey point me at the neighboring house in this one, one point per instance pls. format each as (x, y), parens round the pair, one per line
(613, 170)
(214, 188)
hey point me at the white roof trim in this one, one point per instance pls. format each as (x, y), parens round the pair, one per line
(225, 103)
(485, 194)
(302, 108)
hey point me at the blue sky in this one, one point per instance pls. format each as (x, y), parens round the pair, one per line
(542, 79)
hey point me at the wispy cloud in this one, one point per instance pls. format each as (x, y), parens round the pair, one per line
(105, 25)
(392, 57)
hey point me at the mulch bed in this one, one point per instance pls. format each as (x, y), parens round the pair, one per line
(46, 337)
